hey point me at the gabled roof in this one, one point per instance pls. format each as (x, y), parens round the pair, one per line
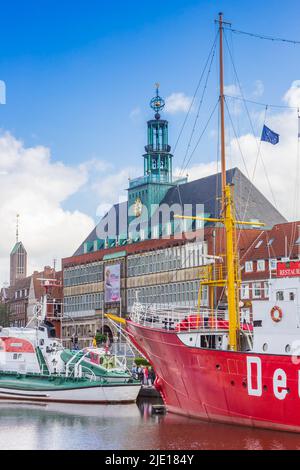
(250, 203)
(18, 246)
(280, 242)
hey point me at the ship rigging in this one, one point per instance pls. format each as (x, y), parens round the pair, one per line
(208, 364)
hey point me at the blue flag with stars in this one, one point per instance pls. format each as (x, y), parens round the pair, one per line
(269, 136)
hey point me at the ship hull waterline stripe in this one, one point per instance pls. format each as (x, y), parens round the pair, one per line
(53, 400)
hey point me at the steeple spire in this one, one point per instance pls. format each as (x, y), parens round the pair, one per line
(18, 258)
(17, 227)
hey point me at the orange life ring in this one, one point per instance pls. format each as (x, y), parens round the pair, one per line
(276, 314)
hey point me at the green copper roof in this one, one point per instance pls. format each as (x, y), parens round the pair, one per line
(16, 247)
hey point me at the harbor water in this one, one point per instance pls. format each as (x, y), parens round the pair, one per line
(124, 427)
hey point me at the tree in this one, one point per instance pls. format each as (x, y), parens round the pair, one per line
(4, 315)
(100, 338)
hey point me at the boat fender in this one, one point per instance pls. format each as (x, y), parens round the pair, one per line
(276, 314)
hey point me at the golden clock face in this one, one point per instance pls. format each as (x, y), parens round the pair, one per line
(138, 207)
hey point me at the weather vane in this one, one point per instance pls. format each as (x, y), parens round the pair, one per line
(157, 103)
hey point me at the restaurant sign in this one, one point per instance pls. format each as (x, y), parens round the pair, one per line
(288, 269)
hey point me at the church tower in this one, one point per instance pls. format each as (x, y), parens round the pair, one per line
(147, 192)
(18, 260)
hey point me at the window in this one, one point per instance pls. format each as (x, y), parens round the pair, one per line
(249, 266)
(259, 244)
(266, 290)
(261, 265)
(245, 315)
(245, 291)
(292, 296)
(273, 264)
(280, 295)
(256, 290)
(298, 241)
(270, 242)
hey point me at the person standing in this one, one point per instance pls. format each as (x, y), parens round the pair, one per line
(146, 375)
(151, 378)
(140, 374)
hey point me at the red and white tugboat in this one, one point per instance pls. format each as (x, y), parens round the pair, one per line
(208, 364)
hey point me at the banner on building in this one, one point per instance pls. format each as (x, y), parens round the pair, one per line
(288, 269)
(112, 283)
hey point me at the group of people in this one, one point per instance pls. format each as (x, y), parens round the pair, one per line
(144, 374)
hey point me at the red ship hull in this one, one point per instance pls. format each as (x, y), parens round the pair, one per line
(214, 385)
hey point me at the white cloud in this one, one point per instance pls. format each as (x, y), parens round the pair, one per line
(232, 90)
(135, 114)
(112, 187)
(178, 103)
(259, 89)
(35, 187)
(292, 96)
(196, 172)
(280, 160)
(234, 106)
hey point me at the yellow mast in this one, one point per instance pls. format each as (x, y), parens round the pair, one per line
(232, 282)
(222, 111)
(231, 255)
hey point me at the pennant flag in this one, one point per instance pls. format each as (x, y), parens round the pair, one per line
(269, 136)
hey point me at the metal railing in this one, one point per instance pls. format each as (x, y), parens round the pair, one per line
(153, 178)
(179, 319)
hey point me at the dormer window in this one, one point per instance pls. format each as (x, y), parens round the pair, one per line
(270, 242)
(259, 244)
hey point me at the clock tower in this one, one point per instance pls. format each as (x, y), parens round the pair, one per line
(158, 159)
(146, 193)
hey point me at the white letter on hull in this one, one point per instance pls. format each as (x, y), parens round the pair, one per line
(279, 382)
(254, 392)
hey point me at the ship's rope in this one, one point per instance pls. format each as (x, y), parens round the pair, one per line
(251, 124)
(183, 167)
(263, 37)
(199, 140)
(202, 134)
(259, 103)
(196, 92)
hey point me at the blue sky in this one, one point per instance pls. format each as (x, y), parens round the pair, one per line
(75, 70)
(80, 75)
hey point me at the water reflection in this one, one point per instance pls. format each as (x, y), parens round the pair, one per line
(58, 426)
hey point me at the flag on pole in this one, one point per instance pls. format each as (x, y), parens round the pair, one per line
(269, 136)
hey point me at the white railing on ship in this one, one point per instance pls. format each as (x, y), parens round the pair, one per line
(180, 319)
